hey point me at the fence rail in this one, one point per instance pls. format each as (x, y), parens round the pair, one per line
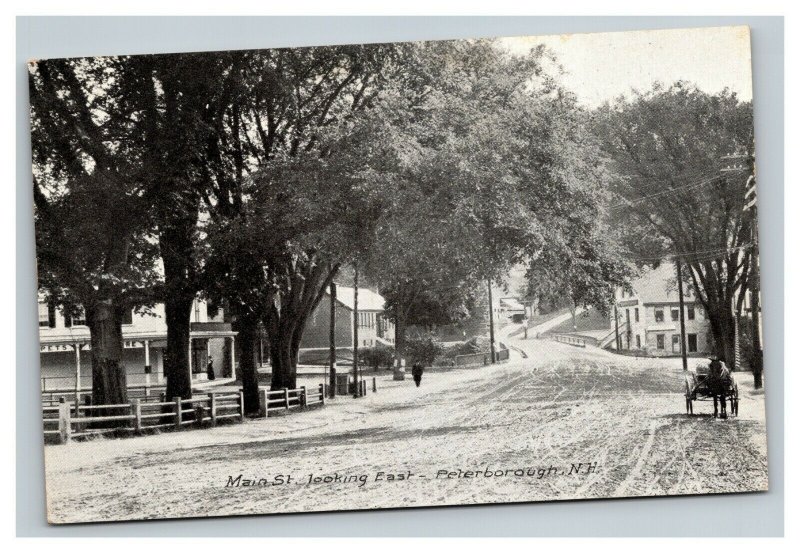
(570, 340)
(274, 401)
(144, 392)
(68, 420)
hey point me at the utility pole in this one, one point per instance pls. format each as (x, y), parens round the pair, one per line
(755, 305)
(491, 321)
(355, 330)
(745, 163)
(682, 316)
(332, 380)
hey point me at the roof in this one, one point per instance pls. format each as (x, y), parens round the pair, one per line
(368, 300)
(512, 303)
(659, 286)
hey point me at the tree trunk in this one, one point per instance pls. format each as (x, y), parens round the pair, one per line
(723, 331)
(283, 376)
(400, 334)
(177, 248)
(285, 326)
(247, 339)
(109, 386)
(177, 309)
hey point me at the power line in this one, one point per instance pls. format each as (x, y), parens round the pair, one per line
(698, 255)
(628, 203)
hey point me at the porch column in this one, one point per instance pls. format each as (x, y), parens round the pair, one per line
(190, 359)
(77, 347)
(233, 358)
(147, 368)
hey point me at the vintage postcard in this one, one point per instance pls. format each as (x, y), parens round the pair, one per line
(398, 275)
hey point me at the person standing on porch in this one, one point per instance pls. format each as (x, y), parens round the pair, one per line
(210, 369)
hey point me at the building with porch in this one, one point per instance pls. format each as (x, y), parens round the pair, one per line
(648, 317)
(65, 347)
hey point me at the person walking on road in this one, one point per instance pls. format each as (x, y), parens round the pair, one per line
(416, 372)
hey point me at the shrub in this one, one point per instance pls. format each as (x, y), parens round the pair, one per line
(423, 350)
(377, 356)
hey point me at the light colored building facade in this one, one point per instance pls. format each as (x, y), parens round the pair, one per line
(65, 347)
(649, 316)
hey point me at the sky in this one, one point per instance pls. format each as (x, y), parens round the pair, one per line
(601, 66)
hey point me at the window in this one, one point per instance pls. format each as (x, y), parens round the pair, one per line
(660, 340)
(44, 315)
(80, 317)
(127, 317)
(196, 311)
(659, 312)
(675, 312)
(690, 312)
(638, 342)
(676, 343)
(636, 315)
(692, 343)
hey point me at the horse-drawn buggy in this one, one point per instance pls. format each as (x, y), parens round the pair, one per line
(712, 382)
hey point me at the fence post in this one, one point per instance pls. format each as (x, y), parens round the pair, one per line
(178, 412)
(303, 398)
(286, 397)
(241, 405)
(263, 402)
(322, 393)
(64, 422)
(136, 407)
(212, 404)
(374, 385)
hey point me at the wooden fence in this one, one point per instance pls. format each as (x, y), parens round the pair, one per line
(276, 401)
(144, 392)
(571, 340)
(67, 420)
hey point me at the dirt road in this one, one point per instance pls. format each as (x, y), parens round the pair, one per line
(564, 423)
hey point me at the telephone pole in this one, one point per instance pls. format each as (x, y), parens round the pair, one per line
(682, 315)
(332, 380)
(355, 330)
(491, 321)
(744, 163)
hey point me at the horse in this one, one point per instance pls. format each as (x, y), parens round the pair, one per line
(719, 382)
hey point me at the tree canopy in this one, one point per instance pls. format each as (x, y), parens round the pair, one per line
(673, 202)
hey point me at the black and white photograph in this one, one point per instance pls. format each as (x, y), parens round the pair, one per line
(397, 275)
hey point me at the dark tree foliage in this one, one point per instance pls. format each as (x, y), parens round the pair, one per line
(498, 171)
(667, 147)
(92, 206)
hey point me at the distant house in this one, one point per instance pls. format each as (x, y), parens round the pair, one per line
(510, 308)
(373, 326)
(649, 316)
(65, 347)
